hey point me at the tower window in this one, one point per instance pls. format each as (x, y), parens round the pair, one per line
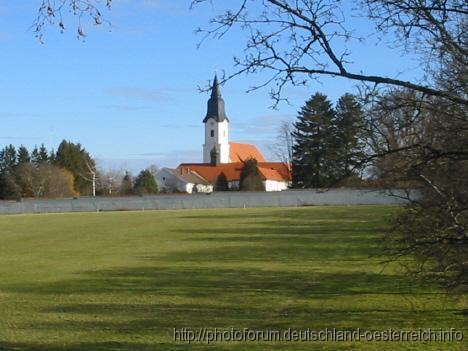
(212, 133)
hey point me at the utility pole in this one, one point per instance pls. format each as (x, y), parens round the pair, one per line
(94, 184)
(93, 173)
(111, 179)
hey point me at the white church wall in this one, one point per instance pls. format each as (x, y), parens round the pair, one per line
(223, 141)
(216, 135)
(274, 185)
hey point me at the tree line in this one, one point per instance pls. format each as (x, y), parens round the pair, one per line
(68, 172)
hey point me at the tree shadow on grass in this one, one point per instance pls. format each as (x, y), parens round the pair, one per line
(279, 243)
(295, 214)
(222, 287)
(221, 298)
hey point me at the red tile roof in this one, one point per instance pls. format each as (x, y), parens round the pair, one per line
(283, 169)
(240, 152)
(269, 170)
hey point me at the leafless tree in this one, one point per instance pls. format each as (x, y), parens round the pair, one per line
(299, 40)
(54, 12)
(109, 181)
(45, 181)
(282, 146)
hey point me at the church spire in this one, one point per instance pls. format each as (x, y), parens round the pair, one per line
(215, 90)
(216, 104)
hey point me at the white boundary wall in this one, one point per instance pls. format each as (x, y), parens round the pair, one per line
(289, 198)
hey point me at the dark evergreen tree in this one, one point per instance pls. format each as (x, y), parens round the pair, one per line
(250, 177)
(35, 155)
(145, 183)
(52, 157)
(222, 183)
(43, 155)
(78, 161)
(23, 155)
(314, 139)
(9, 189)
(126, 188)
(39, 155)
(8, 159)
(23, 170)
(350, 137)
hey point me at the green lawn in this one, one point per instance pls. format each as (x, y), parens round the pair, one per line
(124, 280)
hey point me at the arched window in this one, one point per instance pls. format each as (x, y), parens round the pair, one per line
(212, 133)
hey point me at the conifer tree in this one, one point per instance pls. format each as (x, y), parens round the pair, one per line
(8, 159)
(351, 136)
(78, 161)
(23, 155)
(35, 155)
(39, 155)
(314, 136)
(43, 154)
(145, 183)
(126, 187)
(9, 189)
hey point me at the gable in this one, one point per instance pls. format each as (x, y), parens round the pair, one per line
(240, 152)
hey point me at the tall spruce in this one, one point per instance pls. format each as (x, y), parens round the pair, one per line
(23, 155)
(350, 136)
(39, 155)
(9, 189)
(314, 136)
(8, 159)
(43, 154)
(126, 187)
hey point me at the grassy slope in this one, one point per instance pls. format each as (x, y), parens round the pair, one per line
(113, 281)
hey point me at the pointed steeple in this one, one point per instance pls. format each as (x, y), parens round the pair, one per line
(216, 104)
(215, 90)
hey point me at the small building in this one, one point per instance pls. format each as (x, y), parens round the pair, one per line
(182, 181)
(275, 175)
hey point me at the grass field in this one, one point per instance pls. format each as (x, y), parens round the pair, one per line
(124, 280)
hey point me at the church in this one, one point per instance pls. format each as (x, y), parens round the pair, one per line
(222, 157)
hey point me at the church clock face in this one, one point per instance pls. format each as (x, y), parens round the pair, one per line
(212, 123)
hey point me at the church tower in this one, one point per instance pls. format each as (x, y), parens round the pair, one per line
(216, 147)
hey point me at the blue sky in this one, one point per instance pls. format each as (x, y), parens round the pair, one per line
(129, 93)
